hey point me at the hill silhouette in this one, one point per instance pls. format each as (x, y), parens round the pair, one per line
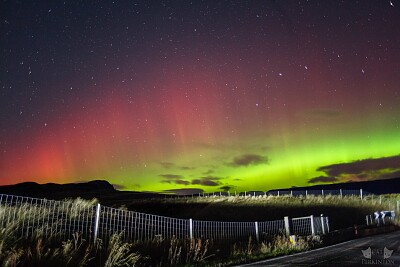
(100, 189)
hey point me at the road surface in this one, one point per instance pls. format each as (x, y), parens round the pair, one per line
(379, 250)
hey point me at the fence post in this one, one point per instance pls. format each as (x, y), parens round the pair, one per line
(306, 193)
(322, 192)
(366, 218)
(361, 194)
(312, 224)
(278, 193)
(257, 234)
(398, 205)
(322, 224)
(287, 225)
(341, 193)
(191, 229)
(327, 224)
(96, 224)
(291, 193)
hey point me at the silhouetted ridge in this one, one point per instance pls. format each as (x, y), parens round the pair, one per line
(53, 190)
(100, 189)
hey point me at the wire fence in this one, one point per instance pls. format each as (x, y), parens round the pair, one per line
(137, 225)
(293, 193)
(50, 217)
(390, 202)
(64, 218)
(380, 217)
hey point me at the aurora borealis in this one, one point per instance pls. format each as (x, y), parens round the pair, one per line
(173, 96)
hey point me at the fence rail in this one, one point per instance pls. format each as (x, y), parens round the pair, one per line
(65, 218)
(293, 193)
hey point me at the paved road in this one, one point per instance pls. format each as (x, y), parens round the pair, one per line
(345, 254)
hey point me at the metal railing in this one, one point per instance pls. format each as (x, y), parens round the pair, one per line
(293, 193)
(65, 218)
(380, 217)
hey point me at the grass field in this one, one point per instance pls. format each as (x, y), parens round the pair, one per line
(342, 212)
(49, 250)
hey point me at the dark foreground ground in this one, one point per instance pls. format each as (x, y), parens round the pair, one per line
(384, 251)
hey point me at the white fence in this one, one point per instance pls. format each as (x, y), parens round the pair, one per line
(65, 218)
(292, 193)
(380, 217)
(309, 225)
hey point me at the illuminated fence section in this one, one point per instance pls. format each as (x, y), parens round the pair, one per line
(292, 193)
(236, 230)
(139, 226)
(48, 217)
(61, 219)
(223, 230)
(272, 227)
(321, 225)
(301, 226)
(309, 225)
(320, 192)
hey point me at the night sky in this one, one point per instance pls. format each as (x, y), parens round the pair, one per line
(181, 96)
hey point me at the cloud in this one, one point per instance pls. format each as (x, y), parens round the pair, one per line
(176, 181)
(173, 179)
(362, 166)
(226, 188)
(185, 191)
(389, 175)
(171, 176)
(207, 181)
(119, 186)
(364, 169)
(248, 159)
(323, 179)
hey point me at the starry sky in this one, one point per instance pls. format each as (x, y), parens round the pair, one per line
(191, 96)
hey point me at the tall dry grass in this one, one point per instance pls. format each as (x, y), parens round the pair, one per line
(342, 211)
(35, 236)
(49, 244)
